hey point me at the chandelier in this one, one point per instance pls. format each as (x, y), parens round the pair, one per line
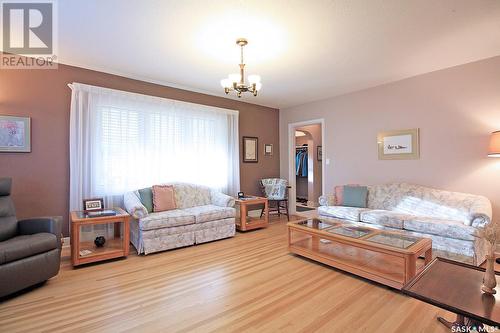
(236, 82)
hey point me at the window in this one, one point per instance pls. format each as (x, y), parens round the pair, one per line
(122, 141)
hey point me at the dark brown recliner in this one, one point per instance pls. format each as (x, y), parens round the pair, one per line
(30, 250)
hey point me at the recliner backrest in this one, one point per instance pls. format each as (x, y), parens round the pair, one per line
(8, 220)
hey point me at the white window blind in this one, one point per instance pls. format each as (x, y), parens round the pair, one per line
(122, 141)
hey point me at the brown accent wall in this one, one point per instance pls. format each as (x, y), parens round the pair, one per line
(41, 178)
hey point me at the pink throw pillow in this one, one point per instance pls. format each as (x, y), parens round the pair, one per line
(163, 198)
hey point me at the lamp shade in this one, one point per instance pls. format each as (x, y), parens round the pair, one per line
(494, 150)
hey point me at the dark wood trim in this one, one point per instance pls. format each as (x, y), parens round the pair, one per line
(405, 290)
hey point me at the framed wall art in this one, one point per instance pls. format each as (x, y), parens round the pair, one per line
(250, 149)
(399, 145)
(268, 149)
(319, 153)
(15, 134)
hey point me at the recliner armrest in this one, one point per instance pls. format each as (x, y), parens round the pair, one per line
(52, 225)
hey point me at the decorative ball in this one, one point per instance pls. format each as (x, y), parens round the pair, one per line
(99, 241)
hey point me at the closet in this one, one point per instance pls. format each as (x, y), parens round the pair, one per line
(308, 166)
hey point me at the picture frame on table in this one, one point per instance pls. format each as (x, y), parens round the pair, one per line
(250, 149)
(15, 134)
(93, 205)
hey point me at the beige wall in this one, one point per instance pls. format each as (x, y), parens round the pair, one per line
(41, 178)
(455, 109)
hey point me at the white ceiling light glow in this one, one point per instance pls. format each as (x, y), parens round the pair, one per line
(218, 33)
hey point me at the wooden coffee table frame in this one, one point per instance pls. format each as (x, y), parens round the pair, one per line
(423, 247)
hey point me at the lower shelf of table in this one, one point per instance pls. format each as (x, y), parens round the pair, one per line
(251, 223)
(113, 248)
(380, 267)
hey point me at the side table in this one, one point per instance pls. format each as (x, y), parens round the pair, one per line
(245, 222)
(117, 230)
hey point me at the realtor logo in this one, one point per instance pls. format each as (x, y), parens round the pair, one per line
(28, 30)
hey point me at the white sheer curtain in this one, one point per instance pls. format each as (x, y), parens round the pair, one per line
(122, 141)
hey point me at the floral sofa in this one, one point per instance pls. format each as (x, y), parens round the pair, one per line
(202, 215)
(450, 219)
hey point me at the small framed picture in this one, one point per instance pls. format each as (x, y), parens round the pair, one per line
(399, 145)
(250, 149)
(319, 153)
(268, 149)
(92, 205)
(15, 134)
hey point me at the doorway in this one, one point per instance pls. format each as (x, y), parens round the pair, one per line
(306, 164)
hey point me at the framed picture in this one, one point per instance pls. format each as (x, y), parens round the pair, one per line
(15, 134)
(91, 205)
(250, 149)
(399, 145)
(319, 153)
(268, 149)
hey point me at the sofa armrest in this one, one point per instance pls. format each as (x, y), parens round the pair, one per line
(133, 205)
(327, 200)
(51, 225)
(221, 199)
(480, 212)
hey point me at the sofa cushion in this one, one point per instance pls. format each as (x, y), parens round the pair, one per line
(166, 219)
(445, 228)
(20, 247)
(355, 196)
(146, 196)
(384, 217)
(163, 198)
(208, 213)
(191, 195)
(340, 212)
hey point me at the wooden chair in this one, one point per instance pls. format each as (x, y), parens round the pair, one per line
(276, 192)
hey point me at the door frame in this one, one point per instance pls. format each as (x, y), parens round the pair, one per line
(291, 159)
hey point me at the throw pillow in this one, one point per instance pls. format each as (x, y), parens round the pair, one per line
(146, 196)
(355, 196)
(339, 194)
(163, 198)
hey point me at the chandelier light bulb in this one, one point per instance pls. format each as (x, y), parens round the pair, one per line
(254, 79)
(234, 78)
(225, 83)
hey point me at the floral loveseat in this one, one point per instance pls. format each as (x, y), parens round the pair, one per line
(450, 219)
(202, 215)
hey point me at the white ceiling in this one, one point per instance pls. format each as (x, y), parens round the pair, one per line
(304, 50)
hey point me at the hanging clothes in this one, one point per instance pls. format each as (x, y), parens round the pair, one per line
(301, 162)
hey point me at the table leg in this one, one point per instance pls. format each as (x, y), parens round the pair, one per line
(461, 324)
(428, 256)
(411, 267)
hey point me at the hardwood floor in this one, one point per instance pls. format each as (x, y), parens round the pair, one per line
(246, 283)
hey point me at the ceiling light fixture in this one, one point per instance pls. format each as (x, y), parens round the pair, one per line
(236, 82)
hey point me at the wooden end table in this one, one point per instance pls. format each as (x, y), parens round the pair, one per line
(84, 252)
(245, 222)
(456, 287)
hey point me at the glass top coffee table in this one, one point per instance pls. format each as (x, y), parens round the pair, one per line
(386, 257)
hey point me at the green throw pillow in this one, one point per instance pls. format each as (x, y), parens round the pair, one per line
(355, 196)
(146, 195)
